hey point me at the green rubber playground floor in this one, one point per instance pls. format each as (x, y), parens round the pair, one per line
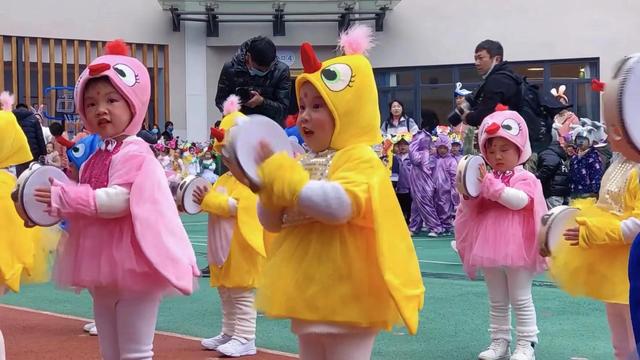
(453, 323)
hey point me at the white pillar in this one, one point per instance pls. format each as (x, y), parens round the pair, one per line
(196, 81)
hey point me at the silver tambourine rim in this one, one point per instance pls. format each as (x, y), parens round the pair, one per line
(182, 193)
(21, 196)
(621, 77)
(464, 175)
(552, 214)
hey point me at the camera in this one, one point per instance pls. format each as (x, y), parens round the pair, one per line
(244, 93)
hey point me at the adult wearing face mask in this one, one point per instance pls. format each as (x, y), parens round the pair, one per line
(167, 134)
(500, 86)
(261, 80)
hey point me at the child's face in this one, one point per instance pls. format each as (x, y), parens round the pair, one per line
(582, 143)
(106, 110)
(502, 154)
(402, 148)
(571, 150)
(443, 150)
(49, 148)
(455, 149)
(235, 169)
(315, 121)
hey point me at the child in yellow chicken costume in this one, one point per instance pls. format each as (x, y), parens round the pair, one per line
(236, 249)
(594, 260)
(22, 256)
(343, 266)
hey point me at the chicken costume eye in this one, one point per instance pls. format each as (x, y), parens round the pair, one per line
(126, 73)
(337, 76)
(78, 150)
(511, 126)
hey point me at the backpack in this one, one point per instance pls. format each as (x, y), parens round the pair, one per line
(537, 108)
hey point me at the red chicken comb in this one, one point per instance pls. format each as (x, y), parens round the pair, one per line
(309, 58)
(217, 134)
(501, 107)
(597, 85)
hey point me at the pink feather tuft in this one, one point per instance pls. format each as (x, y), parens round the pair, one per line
(231, 105)
(358, 39)
(6, 101)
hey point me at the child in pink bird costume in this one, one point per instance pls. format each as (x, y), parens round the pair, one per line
(126, 242)
(496, 233)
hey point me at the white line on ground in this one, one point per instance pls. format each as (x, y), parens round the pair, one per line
(440, 262)
(180, 336)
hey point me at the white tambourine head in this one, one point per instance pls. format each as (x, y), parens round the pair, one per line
(622, 108)
(246, 141)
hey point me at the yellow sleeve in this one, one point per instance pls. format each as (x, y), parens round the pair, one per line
(282, 180)
(606, 229)
(216, 203)
(355, 170)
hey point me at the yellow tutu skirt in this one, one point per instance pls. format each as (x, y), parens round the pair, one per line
(326, 273)
(599, 271)
(25, 253)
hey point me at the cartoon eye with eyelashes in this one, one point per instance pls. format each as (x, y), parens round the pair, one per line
(511, 126)
(337, 76)
(126, 73)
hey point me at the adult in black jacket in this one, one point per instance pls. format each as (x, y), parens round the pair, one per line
(554, 174)
(261, 80)
(500, 86)
(30, 124)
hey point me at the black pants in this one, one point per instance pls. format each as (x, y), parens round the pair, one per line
(405, 205)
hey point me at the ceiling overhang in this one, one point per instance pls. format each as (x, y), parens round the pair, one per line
(278, 13)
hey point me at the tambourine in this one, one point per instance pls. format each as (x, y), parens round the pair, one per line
(183, 193)
(32, 212)
(554, 224)
(245, 142)
(622, 109)
(467, 175)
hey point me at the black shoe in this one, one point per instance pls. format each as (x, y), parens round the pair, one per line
(204, 272)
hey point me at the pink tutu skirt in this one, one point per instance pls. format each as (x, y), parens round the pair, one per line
(105, 253)
(498, 237)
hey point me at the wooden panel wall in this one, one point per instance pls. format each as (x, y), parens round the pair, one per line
(25, 62)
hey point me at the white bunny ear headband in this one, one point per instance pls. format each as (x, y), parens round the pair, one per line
(459, 91)
(559, 93)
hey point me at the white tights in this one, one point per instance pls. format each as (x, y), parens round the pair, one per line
(509, 287)
(3, 356)
(126, 323)
(238, 312)
(622, 339)
(344, 346)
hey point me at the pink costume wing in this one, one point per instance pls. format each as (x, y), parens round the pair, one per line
(158, 229)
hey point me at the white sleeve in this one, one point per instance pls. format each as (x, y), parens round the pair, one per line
(271, 220)
(112, 201)
(630, 229)
(325, 201)
(513, 199)
(233, 206)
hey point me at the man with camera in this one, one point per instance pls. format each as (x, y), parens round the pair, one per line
(260, 80)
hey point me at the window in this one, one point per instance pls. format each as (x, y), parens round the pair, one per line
(436, 76)
(468, 74)
(436, 102)
(427, 92)
(576, 70)
(532, 71)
